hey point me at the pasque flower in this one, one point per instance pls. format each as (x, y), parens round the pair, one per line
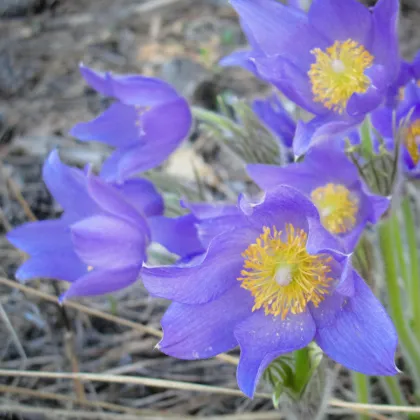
(188, 235)
(332, 182)
(337, 61)
(409, 71)
(407, 119)
(273, 114)
(415, 67)
(145, 125)
(99, 243)
(271, 281)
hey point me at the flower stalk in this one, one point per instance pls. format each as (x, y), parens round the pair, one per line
(388, 230)
(302, 368)
(361, 387)
(414, 269)
(366, 139)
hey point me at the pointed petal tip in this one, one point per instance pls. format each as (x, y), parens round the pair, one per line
(25, 272)
(12, 235)
(21, 277)
(62, 298)
(77, 131)
(53, 157)
(158, 345)
(52, 164)
(20, 236)
(391, 6)
(245, 3)
(68, 294)
(363, 337)
(384, 370)
(235, 2)
(239, 58)
(86, 72)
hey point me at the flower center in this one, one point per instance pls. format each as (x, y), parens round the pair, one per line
(281, 275)
(337, 207)
(338, 73)
(412, 141)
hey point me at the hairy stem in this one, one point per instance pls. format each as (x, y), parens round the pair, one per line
(414, 269)
(361, 387)
(388, 229)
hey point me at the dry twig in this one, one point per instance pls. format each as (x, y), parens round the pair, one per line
(24, 392)
(94, 312)
(135, 380)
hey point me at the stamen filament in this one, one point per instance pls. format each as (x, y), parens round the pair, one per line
(280, 273)
(337, 207)
(338, 73)
(412, 141)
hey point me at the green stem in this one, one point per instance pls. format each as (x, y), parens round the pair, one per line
(414, 282)
(387, 231)
(361, 387)
(302, 368)
(395, 395)
(366, 140)
(393, 390)
(402, 260)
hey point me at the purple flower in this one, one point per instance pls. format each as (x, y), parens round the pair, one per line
(272, 113)
(188, 235)
(294, 3)
(145, 125)
(178, 235)
(272, 281)
(99, 243)
(408, 72)
(407, 116)
(332, 182)
(337, 61)
(415, 67)
(396, 90)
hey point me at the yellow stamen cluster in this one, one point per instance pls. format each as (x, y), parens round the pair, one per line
(337, 207)
(412, 141)
(338, 73)
(281, 275)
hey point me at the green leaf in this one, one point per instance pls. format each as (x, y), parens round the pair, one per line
(301, 382)
(366, 143)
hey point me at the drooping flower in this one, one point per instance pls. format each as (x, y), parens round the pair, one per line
(99, 243)
(145, 125)
(415, 67)
(337, 61)
(273, 114)
(332, 182)
(396, 90)
(271, 281)
(406, 117)
(178, 234)
(409, 71)
(188, 236)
